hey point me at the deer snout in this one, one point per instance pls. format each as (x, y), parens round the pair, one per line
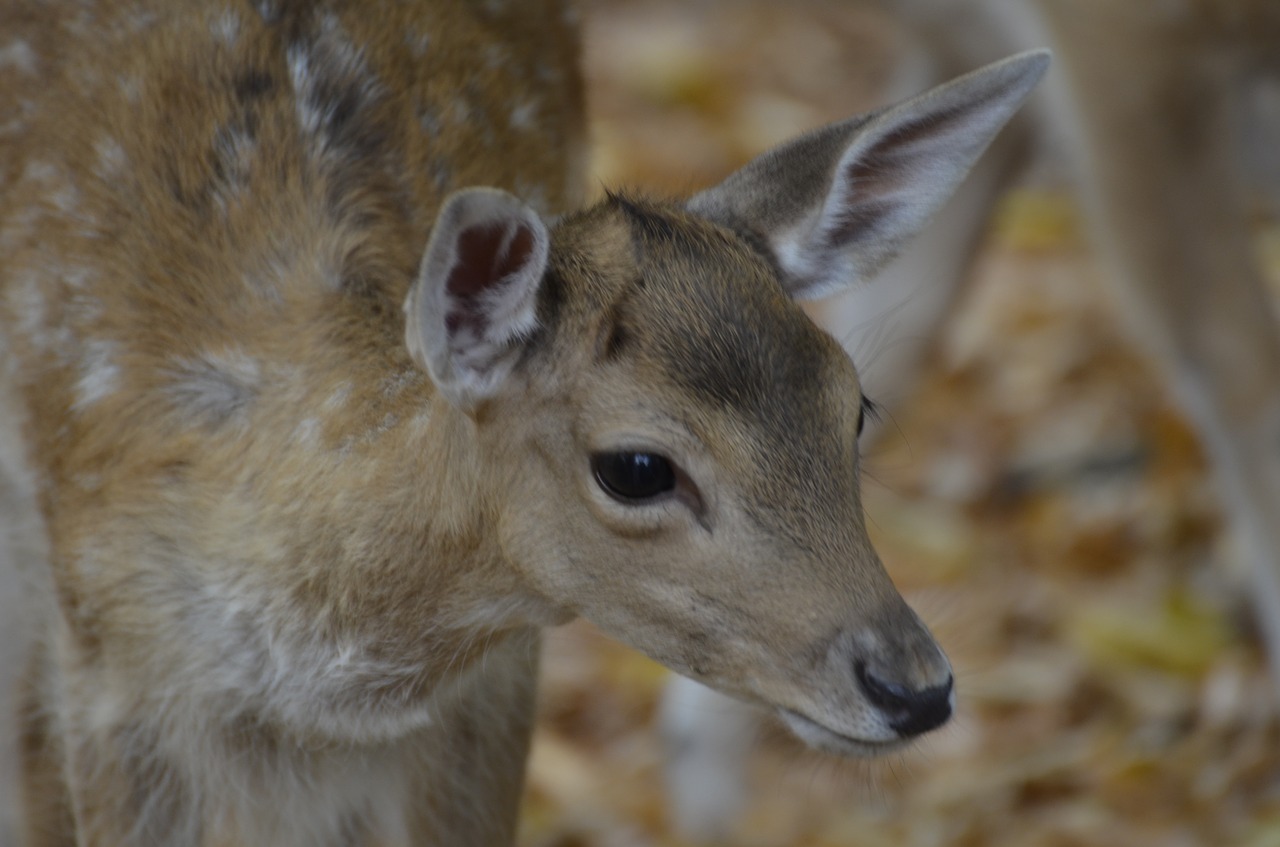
(903, 674)
(909, 709)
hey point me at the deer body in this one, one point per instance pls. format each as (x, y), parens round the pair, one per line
(316, 451)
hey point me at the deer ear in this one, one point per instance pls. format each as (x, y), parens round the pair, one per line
(835, 205)
(475, 298)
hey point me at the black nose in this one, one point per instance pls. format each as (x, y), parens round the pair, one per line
(910, 711)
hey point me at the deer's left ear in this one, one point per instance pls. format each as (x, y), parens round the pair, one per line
(838, 203)
(474, 302)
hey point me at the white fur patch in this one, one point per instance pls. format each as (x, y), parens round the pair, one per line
(99, 374)
(41, 172)
(111, 158)
(328, 67)
(307, 432)
(525, 116)
(66, 199)
(77, 277)
(226, 27)
(418, 43)
(18, 56)
(130, 87)
(18, 120)
(337, 399)
(235, 149)
(461, 111)
(217, 387)
(300, 76)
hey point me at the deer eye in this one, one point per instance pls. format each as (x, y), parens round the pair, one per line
(633, 477)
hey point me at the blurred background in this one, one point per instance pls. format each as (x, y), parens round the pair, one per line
(1033, 490)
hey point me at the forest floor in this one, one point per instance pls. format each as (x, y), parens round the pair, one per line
(1035, 494)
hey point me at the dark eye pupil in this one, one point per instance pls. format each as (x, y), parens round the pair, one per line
(633, 476)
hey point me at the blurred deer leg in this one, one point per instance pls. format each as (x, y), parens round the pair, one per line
(707, 738)
(1157, 159)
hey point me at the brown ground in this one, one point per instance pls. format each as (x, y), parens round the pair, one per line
(1037, 497)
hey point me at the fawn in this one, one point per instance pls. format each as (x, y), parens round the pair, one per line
(324, 414)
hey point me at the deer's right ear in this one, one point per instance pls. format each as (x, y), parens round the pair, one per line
(475, 298)
(838, 203)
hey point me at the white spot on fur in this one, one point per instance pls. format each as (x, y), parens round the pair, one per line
(395, 384)
(338, 398)
(16, 125)
(130, 87)
(418, 43)
(388, 423)
(268, 278)
(18, 56)
(99, 374)
(66, 198)
(75, 276)
(111, 159)
(300, 76)
(226, 27)
(461, 111)
(40, 172)
(330, 57)
(216, 387)
(307, 432)
(524, 116)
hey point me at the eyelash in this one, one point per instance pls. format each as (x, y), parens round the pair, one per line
(869, 409)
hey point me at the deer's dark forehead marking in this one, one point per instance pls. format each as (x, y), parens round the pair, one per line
(710, 307)
(712, 315)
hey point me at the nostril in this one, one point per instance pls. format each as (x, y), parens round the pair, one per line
(910, 711)
(889, 696)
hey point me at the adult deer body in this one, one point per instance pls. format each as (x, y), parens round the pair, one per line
(313, 470)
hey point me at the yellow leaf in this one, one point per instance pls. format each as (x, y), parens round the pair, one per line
(1180, 634)
(1036, 221)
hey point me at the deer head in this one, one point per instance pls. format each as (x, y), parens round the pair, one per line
(670, 446)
